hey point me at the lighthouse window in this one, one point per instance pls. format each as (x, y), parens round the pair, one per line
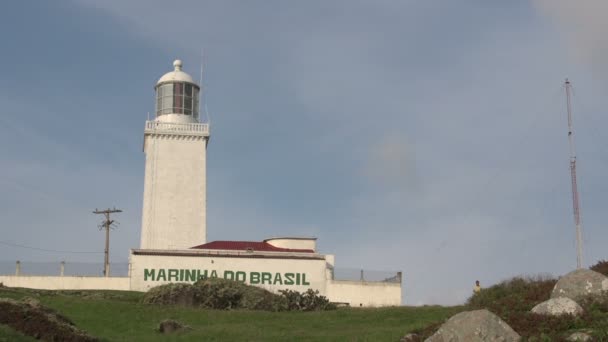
(195, 103)
(188, 105)
(177, 98)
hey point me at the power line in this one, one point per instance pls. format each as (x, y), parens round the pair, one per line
(45, 250)
(107, 224)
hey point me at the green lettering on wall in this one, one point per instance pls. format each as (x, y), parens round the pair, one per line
(149, 273)
(254, 278)
(266, 277)
(190, 275)
(200, 275)
(173, 274)
(277, 279)
(304, 282)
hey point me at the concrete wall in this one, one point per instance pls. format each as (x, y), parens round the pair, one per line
(286, 272)
(175, 203)
(67, 283)
(312, 274)
(361, 293)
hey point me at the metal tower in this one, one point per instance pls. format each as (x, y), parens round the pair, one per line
(575, 196)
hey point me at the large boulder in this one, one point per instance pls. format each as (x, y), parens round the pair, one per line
(474, 326)
(558, 306)
(580, 283)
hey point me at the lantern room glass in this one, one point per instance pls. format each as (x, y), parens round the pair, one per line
(177, 98)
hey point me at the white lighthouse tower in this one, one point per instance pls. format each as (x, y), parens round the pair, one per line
(175, 186)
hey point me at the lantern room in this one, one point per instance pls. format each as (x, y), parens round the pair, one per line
(177, 97)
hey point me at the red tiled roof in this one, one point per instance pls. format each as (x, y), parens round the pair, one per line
(248, 245)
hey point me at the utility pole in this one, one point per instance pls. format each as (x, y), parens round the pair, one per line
(107, 224)
(575, 196)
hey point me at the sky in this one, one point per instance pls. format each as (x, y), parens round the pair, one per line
(427, 137)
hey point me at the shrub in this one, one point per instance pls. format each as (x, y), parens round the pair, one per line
(172, 294)
(307, 301)
(216, 293)
(601, 267)
(222, 294)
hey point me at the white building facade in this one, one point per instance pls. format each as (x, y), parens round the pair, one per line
(175, 184)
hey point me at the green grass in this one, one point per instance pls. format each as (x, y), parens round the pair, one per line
(118, 316)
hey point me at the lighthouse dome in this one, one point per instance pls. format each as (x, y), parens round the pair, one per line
(177, 97)
(177, 75)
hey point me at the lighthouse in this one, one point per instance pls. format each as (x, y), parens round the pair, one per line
(174, 212)
(174, 246)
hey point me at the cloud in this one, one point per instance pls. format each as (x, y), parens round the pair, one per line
(406, 135)
(583, 25)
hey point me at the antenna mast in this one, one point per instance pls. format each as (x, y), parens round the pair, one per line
(575, 196)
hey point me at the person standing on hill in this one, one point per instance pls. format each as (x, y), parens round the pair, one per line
(477, 287)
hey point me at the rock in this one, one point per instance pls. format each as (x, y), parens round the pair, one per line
(580, 336)
(410, 338)
(558, 306)
(169, 326)
(474, 326)
(580, 283)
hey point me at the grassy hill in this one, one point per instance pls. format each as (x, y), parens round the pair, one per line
(119, 316)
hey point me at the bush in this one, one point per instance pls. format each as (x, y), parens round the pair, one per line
(215, 293)
(172, 294)
(307, 301)
(600, 267)
(222, 294)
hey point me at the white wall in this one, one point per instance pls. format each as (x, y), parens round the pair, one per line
(304, 274)
(67, 283)
(361, 293)
(301, 271)
(294, 243)
(175, 201)
(315, 270)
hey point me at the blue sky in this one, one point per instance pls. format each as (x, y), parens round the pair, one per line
(421, 136)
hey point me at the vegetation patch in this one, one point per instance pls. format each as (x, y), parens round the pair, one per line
(513, 299)
(33, 319)
(223, 294)
(600, 267)
(123, 317)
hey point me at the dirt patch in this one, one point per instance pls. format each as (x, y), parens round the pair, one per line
(33, 319)
(169, 326)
